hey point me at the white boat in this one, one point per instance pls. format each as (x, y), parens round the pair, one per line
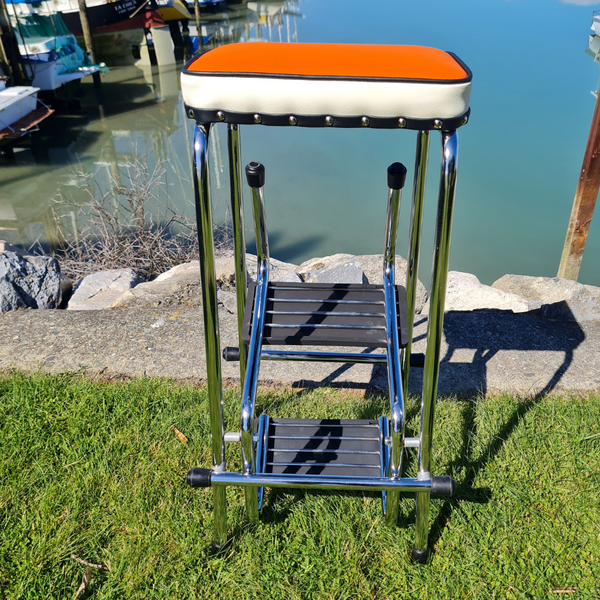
(51, 54)
(18, 111)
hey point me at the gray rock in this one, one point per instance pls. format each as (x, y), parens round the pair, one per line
(225, 271)
(372, 266)
(309, 269)
(29, 282)
(228, 300)
(278, 270)
(349, 272)
(100, 290)
(561, 298)
(179, 285)
(465, 292)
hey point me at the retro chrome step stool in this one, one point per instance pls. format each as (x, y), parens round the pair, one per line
(326, 85)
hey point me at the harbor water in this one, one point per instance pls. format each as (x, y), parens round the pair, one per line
(520, 154)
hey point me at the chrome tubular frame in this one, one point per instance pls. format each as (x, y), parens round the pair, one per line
(254, 350)
(431, 371)
(239, 244)
(261, 452)
(414, 243)
(372, 484)
(384, 454)
(393, 352)
(211, 320)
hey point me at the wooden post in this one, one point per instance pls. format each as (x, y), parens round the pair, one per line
(198, 24)
(583, 204)
(10, 49)
(87, 37)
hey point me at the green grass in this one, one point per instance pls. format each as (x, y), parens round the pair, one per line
(96, 470)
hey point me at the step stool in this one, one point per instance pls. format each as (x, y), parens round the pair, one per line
(326, 85)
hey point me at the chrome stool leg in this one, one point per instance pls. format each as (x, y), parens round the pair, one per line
(396, 179)
(211, 322)
(255, 173)
(239, 245)
(434, 332)
(414, 244)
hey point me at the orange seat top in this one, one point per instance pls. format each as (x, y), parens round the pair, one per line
(343, 61)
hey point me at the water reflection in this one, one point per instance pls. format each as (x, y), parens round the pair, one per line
(137, 113)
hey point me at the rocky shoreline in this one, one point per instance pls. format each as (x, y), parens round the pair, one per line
(36, 282)
(534, 335)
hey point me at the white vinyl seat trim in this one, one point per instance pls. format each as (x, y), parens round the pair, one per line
(336, 97)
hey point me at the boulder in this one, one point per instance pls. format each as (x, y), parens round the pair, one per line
(372, 266)
(29, 282)
(227, 300)
(100, 290)
(348, 272)
(561, 299)
(179, 285)
(465, 292)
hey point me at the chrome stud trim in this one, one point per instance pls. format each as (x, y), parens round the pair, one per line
(437, 123)
(328, 121)
(465, 120)
(221, 115)
(293, 120)
(401, 122)
(191, 113)
(257, 119)
(365, 121)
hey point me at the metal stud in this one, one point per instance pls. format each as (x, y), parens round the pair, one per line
(437, 123)
(257, 118)
(401, 122)
(329, 121)
(365, 121)
(191, 113)
(221, 115)
(293, 120)
(465, 120)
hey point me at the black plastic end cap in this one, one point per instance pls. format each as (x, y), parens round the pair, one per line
(199, 477)
(396, 176)
(417, 360)
(231, 354)
(443, 486)
(255, 174)
(420, 556)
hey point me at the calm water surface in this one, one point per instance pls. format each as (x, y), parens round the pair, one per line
(520, 155)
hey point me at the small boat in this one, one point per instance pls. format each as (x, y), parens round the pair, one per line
(19, 112)
(51, 54)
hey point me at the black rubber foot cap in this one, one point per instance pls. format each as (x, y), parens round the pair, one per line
(199, 477)
(231, 354)
(420, 556)
(255, 174)
(396, 176)
(442, 486)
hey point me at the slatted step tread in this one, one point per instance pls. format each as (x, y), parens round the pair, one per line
(325, 314)
(323, 447)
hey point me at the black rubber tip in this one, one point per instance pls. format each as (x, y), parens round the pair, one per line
(396, 174)
(417, 360)
(255, 174)
(420, 556)
(199, 477)
(442, 486)
(231, 354)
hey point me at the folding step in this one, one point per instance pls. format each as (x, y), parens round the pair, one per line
(325, 314)
(326, 447)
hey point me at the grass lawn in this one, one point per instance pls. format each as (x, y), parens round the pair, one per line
(96, 470)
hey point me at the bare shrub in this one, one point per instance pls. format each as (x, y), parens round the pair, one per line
(131, 224)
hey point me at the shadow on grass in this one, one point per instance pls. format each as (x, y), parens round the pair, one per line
(564, 336)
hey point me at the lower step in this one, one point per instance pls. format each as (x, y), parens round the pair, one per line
(325, 447)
